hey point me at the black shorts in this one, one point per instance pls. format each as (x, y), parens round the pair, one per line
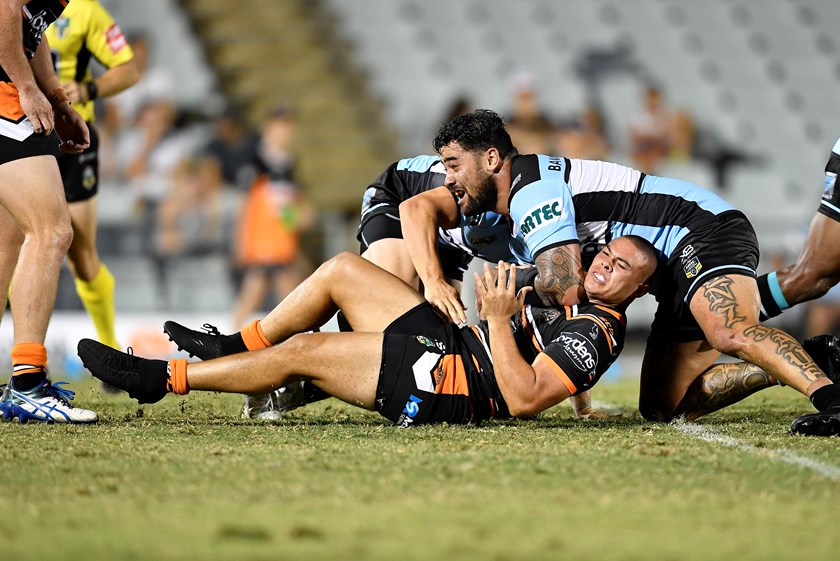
(80, 172)
(384, 223)
(424, 373)
(830, 203)
(34, 145)
(727, 246)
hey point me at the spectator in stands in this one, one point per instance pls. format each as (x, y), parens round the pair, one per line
(233, 145)
(530, 129)
(658, 133)
(582, 137)
(274, 214)
(191, 218)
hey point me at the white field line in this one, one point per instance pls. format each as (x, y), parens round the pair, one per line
(781, 455)
(709, 435)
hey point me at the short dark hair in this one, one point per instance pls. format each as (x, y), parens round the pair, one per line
(477, 131)
(648, 249)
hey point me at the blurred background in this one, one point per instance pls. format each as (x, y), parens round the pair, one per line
(739, 96)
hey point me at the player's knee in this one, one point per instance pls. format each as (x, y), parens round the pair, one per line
(341, 264)
(728, 341)
(57, 237)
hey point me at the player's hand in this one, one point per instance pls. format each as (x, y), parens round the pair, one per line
(499, 299)
(582, 406)
(446, 300)
(37, 108)
(71, 129)
(76, 91)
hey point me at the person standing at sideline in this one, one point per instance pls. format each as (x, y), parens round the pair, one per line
(34, 220)
(86, 30)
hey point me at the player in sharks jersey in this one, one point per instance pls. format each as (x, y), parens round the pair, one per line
(521, 360)
(818, 267)
(383, 242)
(707, 293)
(381, 236)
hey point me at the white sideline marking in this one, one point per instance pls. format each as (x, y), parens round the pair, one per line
(782, 455)
(709, 435)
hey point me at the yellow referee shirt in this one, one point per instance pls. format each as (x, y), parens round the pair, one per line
(84, 30)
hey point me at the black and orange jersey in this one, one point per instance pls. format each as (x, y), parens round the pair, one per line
(578, 343)
(86, 30)
(37, 15)
(434, 372)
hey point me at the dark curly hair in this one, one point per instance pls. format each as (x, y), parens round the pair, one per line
(477, 131)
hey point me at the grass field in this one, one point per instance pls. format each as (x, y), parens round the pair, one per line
(187, 479)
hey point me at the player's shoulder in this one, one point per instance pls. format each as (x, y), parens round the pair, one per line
(421, 164)
(530, 171)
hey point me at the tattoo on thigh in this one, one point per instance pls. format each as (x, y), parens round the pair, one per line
(786, 347)
(722, 302)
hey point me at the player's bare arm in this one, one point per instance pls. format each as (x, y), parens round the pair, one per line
(14, 62)
(421, 216)
(527, 388)
(69, 125)
(560, 278)
(111, 82)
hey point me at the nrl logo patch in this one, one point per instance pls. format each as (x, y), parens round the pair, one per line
(692, 267)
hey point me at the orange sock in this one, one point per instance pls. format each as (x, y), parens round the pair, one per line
(177, 370)
(28, 358)
(253, 336)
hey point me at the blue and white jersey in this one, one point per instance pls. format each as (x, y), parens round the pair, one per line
(486, 236)
(556, 201)
(401, 181)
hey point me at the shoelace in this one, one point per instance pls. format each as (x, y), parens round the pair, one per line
(211, 330)
(61, 394)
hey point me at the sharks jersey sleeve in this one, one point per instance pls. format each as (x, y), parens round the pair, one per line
(541, 211)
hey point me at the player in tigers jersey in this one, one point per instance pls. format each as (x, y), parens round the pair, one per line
(403, 360)
(86, 31)
(708, 296)
(34, 221)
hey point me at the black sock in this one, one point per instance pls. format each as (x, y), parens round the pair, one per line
(233, 344)
(25, 382)
(826, 396)
(769, 308)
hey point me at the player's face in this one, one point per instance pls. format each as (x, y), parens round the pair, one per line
(618, 273)
(468, 180)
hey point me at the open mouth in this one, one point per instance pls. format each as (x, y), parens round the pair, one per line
(458, 194)
(599, 277)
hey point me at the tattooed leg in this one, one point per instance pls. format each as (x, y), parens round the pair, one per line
(720, 386)
(727, 310)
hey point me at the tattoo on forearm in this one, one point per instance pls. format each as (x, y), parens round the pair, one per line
(557, 276)
(786, 347)
(720, 386)
(722, 302)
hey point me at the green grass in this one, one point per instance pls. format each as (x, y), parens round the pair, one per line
(187, 479)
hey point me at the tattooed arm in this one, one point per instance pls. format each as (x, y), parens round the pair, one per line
(559, 282)
(560, 278)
